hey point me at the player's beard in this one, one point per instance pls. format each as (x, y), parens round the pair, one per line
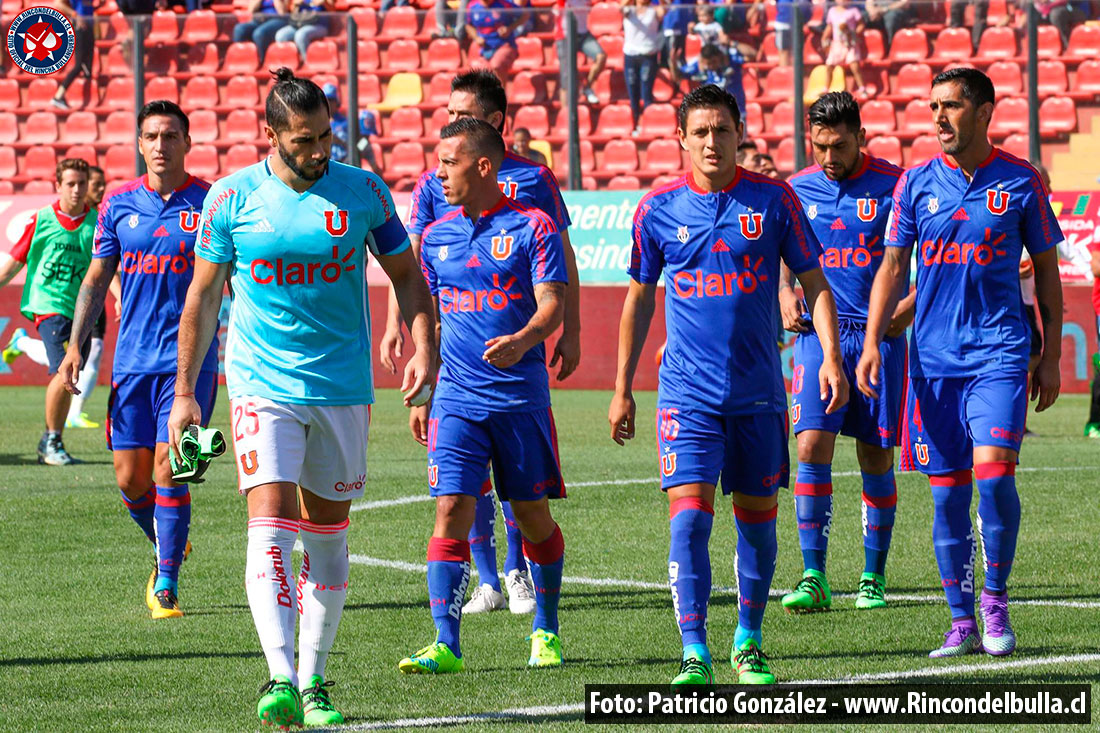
(292, 164)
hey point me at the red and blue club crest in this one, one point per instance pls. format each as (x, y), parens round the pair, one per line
(40, 40)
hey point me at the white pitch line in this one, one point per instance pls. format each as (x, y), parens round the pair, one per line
(383, 503)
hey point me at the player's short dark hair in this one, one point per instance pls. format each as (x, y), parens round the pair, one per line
(767, 157)
(483, 138)
(745, 149)
(976, 86)
(708, 95)
(95, 169)
(487, 90)
(711, 50)
(291, 94)
(834, 109)
(164, 108)
(72, 164)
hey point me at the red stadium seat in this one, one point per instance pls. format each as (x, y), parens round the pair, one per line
(444, 54)
(39, 187)
(40, 92)
(610, 85)
(119, 162)
(1052, 78)
(1009, 116)
(924, 148)
(161, 60)
(322, 55)
(584, 121)
(40, 129)
(162, 87)
(406, 159)
(878, 117)
(203, 59)
(204, 125)
(114, 63)
(241, 126)
(535, 118)
(1050, 42)
(782, 119)
(240, 91)
(199, 26)
(9, 128)
(887, 147)
(910, 44)
(876, 45)
(283, 53)
(530, 53)
(528, 87)
(917, 118)
(400, 22)
(202, 161)
(664, 156)
(438, 91)
(913, 80)
(623, 183)
(605, 18)
(615, 120)
(407, 123)
(84, 152)
(1057, 115)
(40, 162)
(953, 44)
(240, 156)
(200, 92)
(784, 155)
(660, 181)
(620, 156)
(403, 55)
(80, 127)
(779, 83)
(754, 119)
(366, 20)
(658, 120)
(9, 93)
(1018, 144)
(241, 58)
(1006, 77)
(119, 94)
(612, 45)
(119, 127)
(7, 188)
(164, 28)
(370, 89)
(439, 118)
(369, 58)
(1088, 77)
(82, 93)
(7, 162)
(998, 42)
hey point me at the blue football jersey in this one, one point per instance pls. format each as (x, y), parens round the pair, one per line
(154, 240)
(484, 275)
(719, 253)
(849, 219)
(521, 179)
(968, 237)
(299, 327)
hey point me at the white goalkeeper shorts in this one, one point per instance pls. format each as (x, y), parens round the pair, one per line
(322, 448)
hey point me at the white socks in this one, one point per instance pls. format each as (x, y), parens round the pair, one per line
(34, 349)
(269, 583)
(322, 589)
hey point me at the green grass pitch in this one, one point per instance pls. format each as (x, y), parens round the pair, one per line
(78, 650)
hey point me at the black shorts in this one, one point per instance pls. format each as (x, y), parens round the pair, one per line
(55, 332)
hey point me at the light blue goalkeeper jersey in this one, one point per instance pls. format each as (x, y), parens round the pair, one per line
(299, 327)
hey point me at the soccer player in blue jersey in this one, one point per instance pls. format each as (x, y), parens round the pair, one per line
(969, 212)
(480, 95)
(497, 272)
(146, 232)
(718, 234)
(847, 197)
(293, 232)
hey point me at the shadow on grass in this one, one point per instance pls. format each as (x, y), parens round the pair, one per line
(133, 657)
(455, 721)
(27, 459)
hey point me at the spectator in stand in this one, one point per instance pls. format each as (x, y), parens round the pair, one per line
(494, 23)
(709, 30)
(521, 146)
(1062, 14)
(584, 42)
(721, 66)
(80, 14)
(367, 128)
(387, 4)
(843, 37)
(957, 17)
(679, 15)
(308, 22)
(784, 30)
(641, 47)
(268, 17)
(739, 17)
(889, 15)
(449, 23)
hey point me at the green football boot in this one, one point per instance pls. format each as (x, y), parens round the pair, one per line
(434, 659)
(872, 591)
(545, 649)
(811, 594)
(317, 705)
(751, 665)
(694, 671)
(280, 705)
(197, 447)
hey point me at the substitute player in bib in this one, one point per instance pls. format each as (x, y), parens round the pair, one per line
(847, 197)
(56, 247)
(146, 232)
(293, 231)
(717, 234)
(969, 212)
(497, 272)
(480, 95)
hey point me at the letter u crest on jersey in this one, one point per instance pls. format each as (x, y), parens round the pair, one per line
(336, 222)
(920, 450)
(866, 209)
(996, 201)
(508, 188)
(433, 475)
(189, 221)
(796, 413)
(668, 464)
(752, 225)
(502, 245)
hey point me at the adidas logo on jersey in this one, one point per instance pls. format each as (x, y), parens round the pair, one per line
(263, 226)
(838, 224)
(473, 261)
(162, 231)
(720, 246)
(960, 215)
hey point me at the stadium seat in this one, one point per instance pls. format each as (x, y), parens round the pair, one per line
(9, 128)
(615, 120)
(444, 54)
(40, 92)
(403, 90)
(119, 127)
(40, 162)
(202, 58)
(40, 187)
(1052, 78)
(1050, 42)
(241, 126)
(605, 18)
(547, 152)
(1057, 115)
(439, 118)
(779, 83)
(400, 22)
(1006, 77)
(241, 58)
(439, 89)
(114, 63)
(612, 45)
(204, 125)
(162, 59)
(924, 147)
(998, 42)
(322, 55)
(530, 53)
(817, 84)
(875, 44)
(754, 119)
(82, 93)
(658, 120)
(910, 44)
(535, 118)
(1088, 77)
(7, 162)
(202, 161)
(119, 162)
(119, 94)
(1018, 144)
(660, 181)
(162, 87)
(9, 93)
(913, 80)
(953, 44)
(406, 159)
(623, 183)
(916, 118)
(240, 91)
(200, 92)
(366, 20)
(1009, 116)
(240, 156)
(620, 156)
(370, 90)
(664, 156)
(403, 55)
(164, 27)
(84, 152)
(40, 129)
(284, 53)
(369, 57)
(782, 119)
(407, 123)
(887, 147)
(528, 87)
(584, 121)
(784, 155)
(878, 117)
(80, 127)
(199, 26)
(7, 188)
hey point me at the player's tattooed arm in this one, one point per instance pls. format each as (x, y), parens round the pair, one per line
(506, 351)
(890, 281)
(1047, 381)
(790, 305)
(638, 308)
(89, 303)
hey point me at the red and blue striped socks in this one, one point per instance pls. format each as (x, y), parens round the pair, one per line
(448, 577)
(998, 520)
(813, 506)
(547, 560)
(953, 539)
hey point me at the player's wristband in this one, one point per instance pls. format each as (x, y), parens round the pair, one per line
(185, 394)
